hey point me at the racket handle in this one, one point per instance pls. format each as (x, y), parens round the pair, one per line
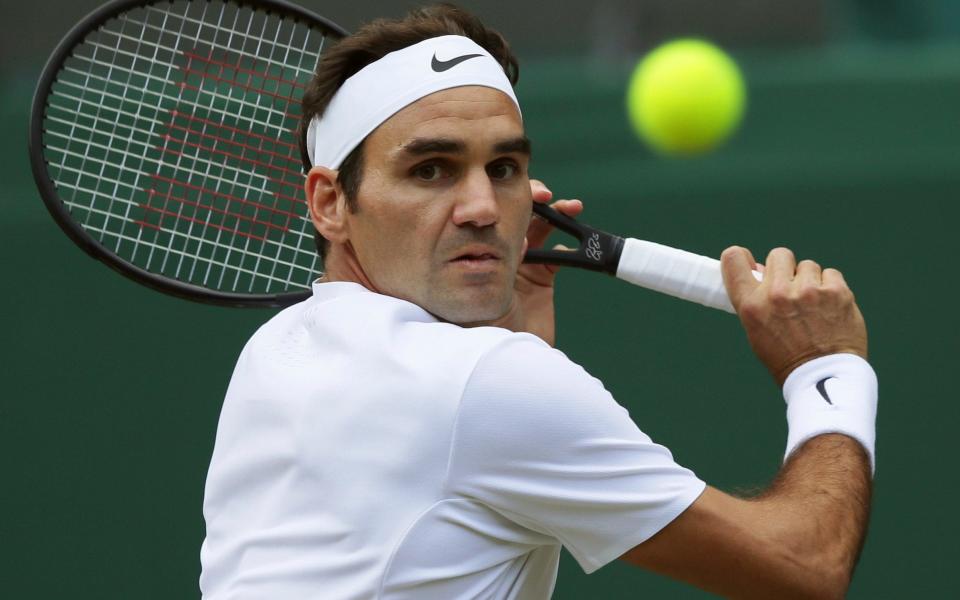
(675, 272)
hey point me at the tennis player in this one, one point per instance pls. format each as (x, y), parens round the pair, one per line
(409, 432)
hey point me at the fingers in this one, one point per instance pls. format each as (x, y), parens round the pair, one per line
(779, 279)
(781, 266)
(571, 208)
(808, 274)
(539, 229)
(836, 286)
(737, 265)
(552, 269)
(541, 193)
(833, 278)
(799, 311)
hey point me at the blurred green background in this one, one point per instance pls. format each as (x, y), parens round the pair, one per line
(849, 154)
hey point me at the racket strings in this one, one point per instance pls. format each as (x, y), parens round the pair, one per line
(263, 94)
(169, 134)
(140, 152)
(197, 75)
(217, 75)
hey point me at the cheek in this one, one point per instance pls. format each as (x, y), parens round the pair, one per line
(395, 236)
(380, 240)
(520, 213)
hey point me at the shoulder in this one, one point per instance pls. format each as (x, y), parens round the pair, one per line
(522, 372)
(526, 398)
(349, 329)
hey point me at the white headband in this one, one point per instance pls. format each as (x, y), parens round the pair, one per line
(382, 88)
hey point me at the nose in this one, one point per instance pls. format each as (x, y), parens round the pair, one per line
(476, 201)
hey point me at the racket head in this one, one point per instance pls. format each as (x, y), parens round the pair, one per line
(162, 141)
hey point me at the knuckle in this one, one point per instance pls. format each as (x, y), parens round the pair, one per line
(780, 296)
(846, 296)
(809, 294)
(840, 293)
(834, 286)
(751, 313)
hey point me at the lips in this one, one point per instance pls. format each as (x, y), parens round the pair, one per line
(476, 254)
(475, 257)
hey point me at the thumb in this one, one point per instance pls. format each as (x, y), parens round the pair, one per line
(737, 265)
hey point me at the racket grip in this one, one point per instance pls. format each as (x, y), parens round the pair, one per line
(675, 272)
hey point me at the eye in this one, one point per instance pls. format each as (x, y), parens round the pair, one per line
(429, 172)
(502, 170)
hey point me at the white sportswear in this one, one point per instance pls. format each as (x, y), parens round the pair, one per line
(366, 450)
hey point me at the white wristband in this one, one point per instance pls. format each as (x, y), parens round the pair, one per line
(832, 394)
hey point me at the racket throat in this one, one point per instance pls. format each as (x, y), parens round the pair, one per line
(596, 250)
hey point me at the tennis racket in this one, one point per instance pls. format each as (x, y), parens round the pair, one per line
(162, 141)
(650, 265)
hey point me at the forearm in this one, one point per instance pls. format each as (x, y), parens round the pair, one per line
(819, 505)
(800, 538)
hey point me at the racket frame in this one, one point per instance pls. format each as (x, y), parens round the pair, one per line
(59, 210)
(597, 250)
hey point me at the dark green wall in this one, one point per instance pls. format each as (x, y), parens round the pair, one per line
(112, 391)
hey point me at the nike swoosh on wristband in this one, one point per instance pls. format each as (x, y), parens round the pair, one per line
(822, 388)
(445, 65)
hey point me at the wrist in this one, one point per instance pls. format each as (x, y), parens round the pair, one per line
(832, 394)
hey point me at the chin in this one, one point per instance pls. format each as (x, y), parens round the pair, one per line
(473, 307)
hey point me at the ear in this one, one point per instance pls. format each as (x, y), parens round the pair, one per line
(327, 204)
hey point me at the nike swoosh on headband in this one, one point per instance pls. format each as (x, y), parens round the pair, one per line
(445, 65)
(822, 388)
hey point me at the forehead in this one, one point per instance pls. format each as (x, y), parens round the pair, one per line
(471, 113)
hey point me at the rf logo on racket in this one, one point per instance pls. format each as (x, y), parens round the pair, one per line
(594, 251)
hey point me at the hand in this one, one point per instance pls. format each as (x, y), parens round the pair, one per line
(797, 313)
(532, 309)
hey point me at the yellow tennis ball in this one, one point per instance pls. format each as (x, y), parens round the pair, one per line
(685, 97)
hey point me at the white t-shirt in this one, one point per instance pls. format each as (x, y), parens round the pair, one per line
(366, 450)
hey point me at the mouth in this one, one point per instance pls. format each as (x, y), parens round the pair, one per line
(476, 258)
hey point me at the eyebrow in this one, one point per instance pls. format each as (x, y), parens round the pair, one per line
(520, 145)
(421, 146)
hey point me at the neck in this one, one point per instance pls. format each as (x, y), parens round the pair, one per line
(341, 264)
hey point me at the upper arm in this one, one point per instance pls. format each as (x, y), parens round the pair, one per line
(541, 441)
(741, 549)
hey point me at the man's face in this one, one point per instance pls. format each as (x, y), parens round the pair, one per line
(444, 204)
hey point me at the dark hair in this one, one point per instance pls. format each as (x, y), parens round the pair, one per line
(372, 42)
